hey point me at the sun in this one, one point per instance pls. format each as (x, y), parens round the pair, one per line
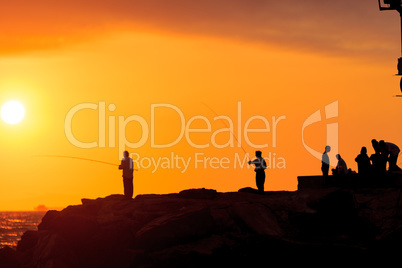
(12, 112)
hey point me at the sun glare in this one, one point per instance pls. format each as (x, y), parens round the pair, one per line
(12, 112)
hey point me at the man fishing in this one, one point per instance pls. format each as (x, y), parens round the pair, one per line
(260, 167)
(128, 170)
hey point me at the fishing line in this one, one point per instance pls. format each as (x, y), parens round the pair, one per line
(79, 158)
(234, 136)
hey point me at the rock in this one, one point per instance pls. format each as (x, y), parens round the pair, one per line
(174, 229)
(198, 193)
(200, 227)
(48, 219)
(28, 240)
(8, 258)
(259, 218)
(50, 251)
(249, 190)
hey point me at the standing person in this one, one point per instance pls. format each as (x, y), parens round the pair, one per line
(128, 170)
(363, 162)
(391, 151)
(378, 159)
(260, 167)
(325, 161)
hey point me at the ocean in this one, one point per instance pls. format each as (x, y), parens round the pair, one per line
(14, 223)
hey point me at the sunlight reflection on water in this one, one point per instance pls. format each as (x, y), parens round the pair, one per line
(14, 223)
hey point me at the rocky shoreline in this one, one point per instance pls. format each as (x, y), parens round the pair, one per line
(201, 227)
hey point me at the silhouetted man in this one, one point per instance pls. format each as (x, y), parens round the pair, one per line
(259, 169)
(378, 159)
(341, 167)
(391, 151)
(325, 161)
(375, 144)
(128, 170)
(363, 162)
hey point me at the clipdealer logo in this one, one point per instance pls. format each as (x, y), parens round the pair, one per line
(331, 110)
(239, 131)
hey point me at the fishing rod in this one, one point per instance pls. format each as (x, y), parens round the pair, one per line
(80, 158)
(234, 136)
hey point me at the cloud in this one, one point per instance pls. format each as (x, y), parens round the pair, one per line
(333, 27)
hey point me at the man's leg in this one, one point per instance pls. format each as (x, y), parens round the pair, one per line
(325, 170)
(125, 186)
(393, 160)
(260, 180)
(130, 188)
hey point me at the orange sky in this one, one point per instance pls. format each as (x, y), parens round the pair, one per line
(283, 59)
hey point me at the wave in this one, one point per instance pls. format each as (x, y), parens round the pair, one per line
(14, 223)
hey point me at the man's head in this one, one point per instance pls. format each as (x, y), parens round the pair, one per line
(258, 153)
(381, 144)
(338, 156)
(327, 149)
(375, 144)
(125, 154)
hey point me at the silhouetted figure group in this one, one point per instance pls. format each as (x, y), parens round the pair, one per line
(376, 164)
(341, 167)
(128, 175)
(259, 169)
(390, 153)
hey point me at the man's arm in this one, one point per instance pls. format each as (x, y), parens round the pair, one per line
(255, 161)
(121, 165)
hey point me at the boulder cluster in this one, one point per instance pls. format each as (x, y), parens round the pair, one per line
(202, 227)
